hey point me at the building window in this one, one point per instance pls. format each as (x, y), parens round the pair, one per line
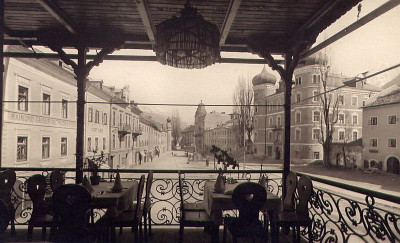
(315, 133)
(113, 120)
(269, 151)
(90, 114)
(341, 99)
(113, 141)
(45, 147)
(22, 98)
(355, 119)
(269, 136)
(22, 148)
(341, 135)
(271, 121)
(298, 81)
(64, 108)
(89, 144)
(63, 146)
(278, 121)
(298, 97)
(315, 96)
(392, 142)
(297, 135)
(104, 143)
(256, 109)
(373, 121)
(341, 118)
(97, 116)
(392, 119)
(96, 144)
(316, 155)
(46, 104)
(105, 119)
(355, 135)
(373, 142)
(298, 117)
(316, 116)
(354, 101)
(316, 78)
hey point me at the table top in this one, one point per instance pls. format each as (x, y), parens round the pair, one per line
(215, 203)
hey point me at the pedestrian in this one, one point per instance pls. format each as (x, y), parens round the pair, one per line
(151, 157)
(140, 158)
(207, 161)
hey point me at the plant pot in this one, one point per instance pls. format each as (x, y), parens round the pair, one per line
(95, 179)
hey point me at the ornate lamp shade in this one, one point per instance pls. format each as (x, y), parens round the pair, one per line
(187, 41)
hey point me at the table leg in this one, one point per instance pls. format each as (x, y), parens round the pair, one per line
(274, 230)
(214, 233)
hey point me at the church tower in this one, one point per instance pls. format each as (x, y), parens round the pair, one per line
(199, 124)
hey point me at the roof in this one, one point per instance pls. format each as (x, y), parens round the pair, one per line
(244, 25)
(391, 97)
(395, 81)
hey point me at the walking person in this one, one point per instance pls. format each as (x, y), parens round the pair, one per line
(140, 158)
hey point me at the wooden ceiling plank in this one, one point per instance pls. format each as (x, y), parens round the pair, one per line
(144, 13)
(59, 15)
(229, 18)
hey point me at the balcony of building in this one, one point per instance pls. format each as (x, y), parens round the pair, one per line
(339, 212)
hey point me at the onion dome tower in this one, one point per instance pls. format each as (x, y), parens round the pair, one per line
(199, 124)
(264, 84)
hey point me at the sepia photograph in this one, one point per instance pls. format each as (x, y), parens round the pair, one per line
(200, 121)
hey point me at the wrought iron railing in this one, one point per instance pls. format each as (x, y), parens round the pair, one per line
(340, 212)
(346, 213)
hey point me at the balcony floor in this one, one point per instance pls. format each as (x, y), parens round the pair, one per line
(160, 235)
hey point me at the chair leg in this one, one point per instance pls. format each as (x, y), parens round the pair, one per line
(121, 231)
(145, 225)
(30, 231)
(113, 234)
(149, 217)
(310, 240)
(43, 233)
(140, 231)
(12, 219)
(298, 233)
(180, 239)
(224, 235)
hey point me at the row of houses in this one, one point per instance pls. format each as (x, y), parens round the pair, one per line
(39, 127)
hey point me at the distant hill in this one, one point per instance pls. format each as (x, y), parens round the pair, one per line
(158, 115)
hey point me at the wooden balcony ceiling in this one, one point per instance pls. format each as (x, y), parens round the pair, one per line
(278, 24)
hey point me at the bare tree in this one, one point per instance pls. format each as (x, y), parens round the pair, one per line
(176, 127)
(243, 98)
(347, 137)
(329, 111)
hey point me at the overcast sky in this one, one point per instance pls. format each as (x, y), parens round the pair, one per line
(371, 48)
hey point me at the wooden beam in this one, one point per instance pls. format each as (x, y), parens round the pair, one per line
(361, 22)
(59, 15)
(229, 18)
(127, 58)
(146, 20)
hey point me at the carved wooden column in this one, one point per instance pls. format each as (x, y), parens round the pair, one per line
(1, 75)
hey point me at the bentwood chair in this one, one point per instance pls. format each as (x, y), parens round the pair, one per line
(4, 217)
(300, 216)
(7, 182)
(147, 205)
(128, 218)
(249, 198)
(190, 218)
(56, 179)
(36, 189)
(191, 206)
(71, 214)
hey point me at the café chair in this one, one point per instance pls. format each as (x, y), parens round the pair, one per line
(71, 214)
(4, 216)
(249, 198)
(7, 182)
(36, 189)
(300, 216)
(190, 218)
(128, 218)
(192, 206)
(147, 205)
(56, 180)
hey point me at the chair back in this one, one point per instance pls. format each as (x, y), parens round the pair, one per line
(180, 185)
(249, 197)
(56, 179)
(304, 189)
(4, 216)
(7, 181)
(291, 185)
(36, 189)
(147, 200)
(139, 198)
(71, 211)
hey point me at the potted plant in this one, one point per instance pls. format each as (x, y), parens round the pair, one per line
(94, 162)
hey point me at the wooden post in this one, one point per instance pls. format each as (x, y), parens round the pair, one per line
(81, 75)
(1, 76)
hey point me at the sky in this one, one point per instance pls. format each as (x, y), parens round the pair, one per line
(373, 47)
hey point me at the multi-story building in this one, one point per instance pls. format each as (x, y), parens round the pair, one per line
(306, 111)
(223, 136)
(187, 137)
(380, 132)
(39, 128)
